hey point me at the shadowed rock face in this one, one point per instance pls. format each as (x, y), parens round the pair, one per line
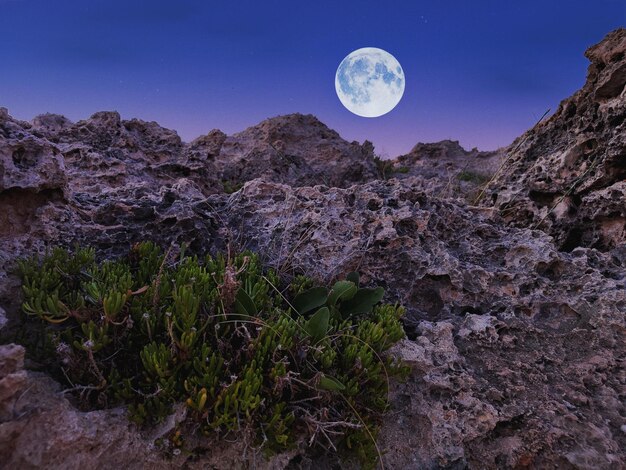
(295, 149)
(517, 344)
(440, 158)
(443, 169)
(567, 174)
(105, 151)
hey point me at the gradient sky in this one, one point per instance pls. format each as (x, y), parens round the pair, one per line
(480, 72)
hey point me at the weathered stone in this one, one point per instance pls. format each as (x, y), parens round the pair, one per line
(447, 169)
(566, 174)
(297, 150)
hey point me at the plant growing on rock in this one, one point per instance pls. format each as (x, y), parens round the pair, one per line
(386, 168)
(247, 354)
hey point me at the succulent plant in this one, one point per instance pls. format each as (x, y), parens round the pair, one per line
(219, 335)
(344, 300)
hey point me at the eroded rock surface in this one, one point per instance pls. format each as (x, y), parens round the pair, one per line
(447, 169)
(520, 348)
(295, 149)
(566, 175)
(517, 336)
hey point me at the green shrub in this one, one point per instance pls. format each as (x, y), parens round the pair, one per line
(472, 177)
(242, 350)
(386, 168)
(231, 186)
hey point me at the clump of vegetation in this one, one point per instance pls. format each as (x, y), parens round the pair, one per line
(247, 354)
(472, 177)
(386, 168)
(231, 186)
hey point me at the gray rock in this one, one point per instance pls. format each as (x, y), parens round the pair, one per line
(297, 150)
(447, 169)
(566, 174)
(3, 318)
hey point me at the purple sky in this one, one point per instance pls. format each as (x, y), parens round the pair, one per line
(480, 72)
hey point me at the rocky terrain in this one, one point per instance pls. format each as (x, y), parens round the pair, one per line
(446, 169)
(516, 306)
(567, 174)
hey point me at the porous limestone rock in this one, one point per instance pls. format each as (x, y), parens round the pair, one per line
(447, 169)
(295, 149)
(566, 174)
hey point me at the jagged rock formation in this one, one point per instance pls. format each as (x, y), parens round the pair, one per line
(446, 169)
(296, 149)
(100, 171)
(567, 175)
(518, 339)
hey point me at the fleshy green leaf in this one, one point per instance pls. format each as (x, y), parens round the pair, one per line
(342, 290)
(244, 304)
(329, 383)
(363, 301)
(317, 325)
(310, 299)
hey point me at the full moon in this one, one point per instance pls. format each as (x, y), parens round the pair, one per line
(369, 82)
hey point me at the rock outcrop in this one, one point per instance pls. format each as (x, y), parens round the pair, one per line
(516, 329)
(295, 149)
(509, 333)
(447, 169)
(567, 175)
(58, 177)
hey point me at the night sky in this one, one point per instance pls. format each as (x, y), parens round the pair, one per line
(481, 72)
